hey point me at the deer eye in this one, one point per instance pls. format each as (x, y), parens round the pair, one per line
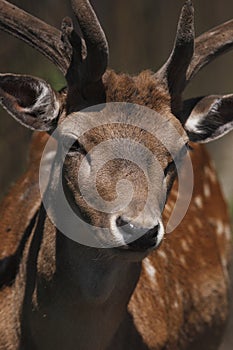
(76, 147)
(72, 145)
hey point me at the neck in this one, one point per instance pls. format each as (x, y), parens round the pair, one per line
(80, 294)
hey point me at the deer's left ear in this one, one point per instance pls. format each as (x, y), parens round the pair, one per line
(31, 101)
(210, 118)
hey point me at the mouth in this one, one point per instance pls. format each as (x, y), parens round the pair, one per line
(145, 243)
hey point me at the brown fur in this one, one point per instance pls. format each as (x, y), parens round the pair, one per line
(58, 294)
(186, 303)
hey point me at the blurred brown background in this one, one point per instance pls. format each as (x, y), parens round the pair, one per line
(140, 35)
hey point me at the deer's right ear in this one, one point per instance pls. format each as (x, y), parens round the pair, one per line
(210, 117)
(31, 101)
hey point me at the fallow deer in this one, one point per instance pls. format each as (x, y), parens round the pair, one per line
(59, 294)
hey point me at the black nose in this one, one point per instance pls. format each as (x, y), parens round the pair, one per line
(146, 241)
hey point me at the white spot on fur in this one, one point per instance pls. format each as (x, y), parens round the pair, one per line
(190, 228)
(189, 240)
(210, 173)
(224, 261)
(220, 227)
(224, 266)
(178, 290)
(4, 253)
(185, 245)
(162, 254)
(168, 208)
(182, 260)
(150, 270)
(199, 223)
(228, 232)
(206, 190)
(198, 201)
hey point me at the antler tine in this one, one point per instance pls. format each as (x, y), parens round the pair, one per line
(95, 40)
(173, 73)
(35, 32)
(209, 46)
(64, 48)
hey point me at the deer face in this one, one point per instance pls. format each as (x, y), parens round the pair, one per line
(109, 186)
(117, 174)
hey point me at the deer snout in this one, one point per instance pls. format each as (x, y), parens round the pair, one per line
(138, 237)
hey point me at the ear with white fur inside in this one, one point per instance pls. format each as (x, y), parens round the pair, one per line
(31, 101)
(210, 119)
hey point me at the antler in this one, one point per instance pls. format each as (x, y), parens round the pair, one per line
(81, 61)
(173, 73)
(35, 32)
(189, 56)
(96, 43)
(209, 46)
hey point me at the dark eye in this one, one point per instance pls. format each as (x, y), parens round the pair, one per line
(189, 148)
(170, 168)
(77, 148)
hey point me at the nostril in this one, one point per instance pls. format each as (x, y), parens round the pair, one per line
(148, 240)
(121, 222)
(139, 238)
(153, 232)
(127, 229)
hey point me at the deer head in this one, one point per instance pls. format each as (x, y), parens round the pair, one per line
(83, 61)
